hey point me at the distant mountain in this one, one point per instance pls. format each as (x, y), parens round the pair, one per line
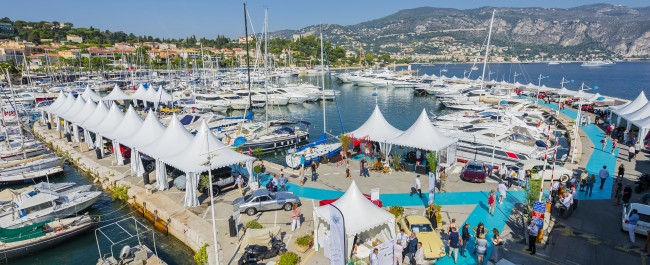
(620, 29)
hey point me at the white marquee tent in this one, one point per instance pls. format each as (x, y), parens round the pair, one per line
(128, 126)
(360, 216)
(89, 94)
(423, 135)
(377, 129)
(631, 107)
(110, 122)
(93, 120)
(147, 134)
(81, 116)
(116, 94)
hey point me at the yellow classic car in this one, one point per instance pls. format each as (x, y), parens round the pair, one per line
(430, 238)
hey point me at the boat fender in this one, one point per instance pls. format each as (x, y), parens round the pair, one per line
(125, 252)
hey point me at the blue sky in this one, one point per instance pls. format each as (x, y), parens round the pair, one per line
(207, 18)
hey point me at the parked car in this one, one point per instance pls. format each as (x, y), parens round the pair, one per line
(538, 166)
(222, 178)
(643, 226)
(473, 172)
(429, 237)
(265, 200)
(588, 107)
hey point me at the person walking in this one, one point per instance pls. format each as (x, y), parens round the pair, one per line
(497, 243)
(627, 194)
(637, 148)
(481, 248)
(502, 191)
(443, 179)
(431, 215)
(454, 241)
(465, 236)
(614, 144)
(240, 184)
(631, 153)
(603, 143)
(295, 217)
(492, 202)
(417, 187)
(631, 224)
(451, 225)
(404, 238)
(503, 171)
(583, 180)
(618, 193)
(347, 171)
(521, 177)
(479, 230)
(398, 250)
(283, 182)
(532, 237)
(374, 260)
(621, 172)
(590, 184)
(603, 174)
(313, 171)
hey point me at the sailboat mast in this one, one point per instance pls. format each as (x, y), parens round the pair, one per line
(322, 68)
(266, 66)
(487, 49)
(248, 58)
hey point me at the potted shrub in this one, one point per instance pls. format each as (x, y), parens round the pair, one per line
(289, 258)
(254, 224)
(397, 211)
(304, 243)
(438, 214)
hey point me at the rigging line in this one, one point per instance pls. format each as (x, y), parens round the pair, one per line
(329, 74)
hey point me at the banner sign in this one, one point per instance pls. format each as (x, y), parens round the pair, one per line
(539, 208)
(336, 246)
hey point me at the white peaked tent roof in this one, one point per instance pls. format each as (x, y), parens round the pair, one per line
(96, 117)
(139, 93)
(173, 140)
(636, 104)
(565, 92)
(582, 94)
(148, 133)
(89, 94)
(360, 213)
(129, 125)
(57, 102)
(163, 96)
(117, 94)
(531, 85)
(65, 106)
(544, 88)
(192, 159)
(642, 123)
(82, 115)
(376, 128)
(150, 95)
(596, 97)
(423, 135)
(79, 104)
(641, 113)
(110, 122)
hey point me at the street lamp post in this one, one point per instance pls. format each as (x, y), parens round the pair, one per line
(539, 85)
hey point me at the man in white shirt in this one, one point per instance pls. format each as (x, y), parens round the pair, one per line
(398, 251)
(417, 186)
(631, 153)
(404, 238)
(502, 191)
(503, 170)
(374, 260)
(521, 175)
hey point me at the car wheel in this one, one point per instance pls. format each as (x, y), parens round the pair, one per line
(287, 206)
(251, 211)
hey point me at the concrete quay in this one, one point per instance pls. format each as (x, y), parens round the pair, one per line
(161, 207)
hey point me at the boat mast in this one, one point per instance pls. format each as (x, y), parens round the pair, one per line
(266, 67)
(487, 50)
(322, 68)
(248, 58)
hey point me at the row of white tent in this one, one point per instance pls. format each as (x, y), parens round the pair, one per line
(635, 112)
(141, 93)
(422, 135)
(173, 145)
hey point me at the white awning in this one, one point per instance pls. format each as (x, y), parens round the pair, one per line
(117, 94)
(376, 128)
(129, 125)
(173, 140)
(193, 158)
(148, 133)
(423, 135)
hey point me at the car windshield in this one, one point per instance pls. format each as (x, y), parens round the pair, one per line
(247, 197)
(475, 167)
(419, 228)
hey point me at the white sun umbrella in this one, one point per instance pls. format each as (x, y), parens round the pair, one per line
(173, 140)
(112, 120)
(89, 94)
(116, 94)
(147, 134)
(95, 118)
(129, 125)
(192, 160)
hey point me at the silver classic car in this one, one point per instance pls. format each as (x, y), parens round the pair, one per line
(264, 200)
